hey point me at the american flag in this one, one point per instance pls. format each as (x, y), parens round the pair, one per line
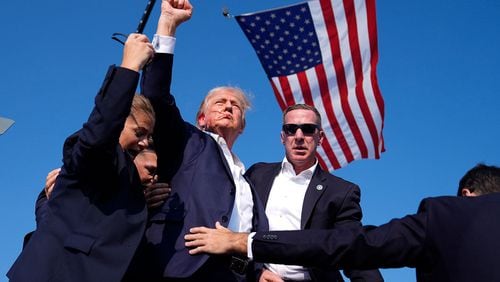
(324, 53)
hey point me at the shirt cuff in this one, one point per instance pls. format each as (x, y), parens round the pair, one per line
(249, 245)
(164, 44)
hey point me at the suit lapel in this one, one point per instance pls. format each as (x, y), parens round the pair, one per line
(267, 182)
(314, 191)
(223, 157)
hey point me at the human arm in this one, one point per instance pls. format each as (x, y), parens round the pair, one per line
(218, 240)
(155, 85)
(395, 244)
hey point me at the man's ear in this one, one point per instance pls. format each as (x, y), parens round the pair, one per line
(201, 121)
(321, 137)
(467, 193)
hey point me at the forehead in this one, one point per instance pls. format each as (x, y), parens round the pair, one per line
(145, 156)
(301, 116)
(143, 120)
(224, 94)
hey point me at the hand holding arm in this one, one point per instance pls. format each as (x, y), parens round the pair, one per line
(156, 194)
(215, 241)
(50, 181)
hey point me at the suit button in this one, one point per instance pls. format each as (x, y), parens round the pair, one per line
(224, 219)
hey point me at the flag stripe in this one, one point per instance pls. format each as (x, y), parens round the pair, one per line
(372, 33)
(279, 98)
(287, 92)
(358, 71)
(331, 28)
(329, 110)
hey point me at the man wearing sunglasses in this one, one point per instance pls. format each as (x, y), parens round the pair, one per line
(298, 194)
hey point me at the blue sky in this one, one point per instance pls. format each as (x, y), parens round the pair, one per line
(438, 73)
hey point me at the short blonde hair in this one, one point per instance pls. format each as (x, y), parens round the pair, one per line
(141, 104)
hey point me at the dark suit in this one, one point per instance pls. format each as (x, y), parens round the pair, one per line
(449, 239)
(329, 202)
(96, 215)
(203, 190)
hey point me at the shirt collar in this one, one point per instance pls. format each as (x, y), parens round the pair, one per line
(287, 168)
(223, 144)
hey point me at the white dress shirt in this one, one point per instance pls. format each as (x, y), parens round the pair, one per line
(163, 44)
(284, 211)
(242, 214)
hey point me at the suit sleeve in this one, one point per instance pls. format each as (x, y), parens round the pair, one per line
(88, 151)
(350, 214)
(398, 243)
(169, 131)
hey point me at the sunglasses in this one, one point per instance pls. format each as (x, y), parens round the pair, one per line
(307, 128)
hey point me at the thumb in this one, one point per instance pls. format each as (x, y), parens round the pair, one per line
(218, 225)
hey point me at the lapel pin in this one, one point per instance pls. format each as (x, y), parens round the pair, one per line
(319, 187)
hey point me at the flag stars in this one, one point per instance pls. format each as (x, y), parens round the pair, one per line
(285, 39)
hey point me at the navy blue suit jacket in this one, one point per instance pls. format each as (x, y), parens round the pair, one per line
(97, 214)
(329, 201)
(449, 239)
(203, 189)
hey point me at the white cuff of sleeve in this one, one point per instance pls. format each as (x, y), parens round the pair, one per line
(164, 44)
(249, 245)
